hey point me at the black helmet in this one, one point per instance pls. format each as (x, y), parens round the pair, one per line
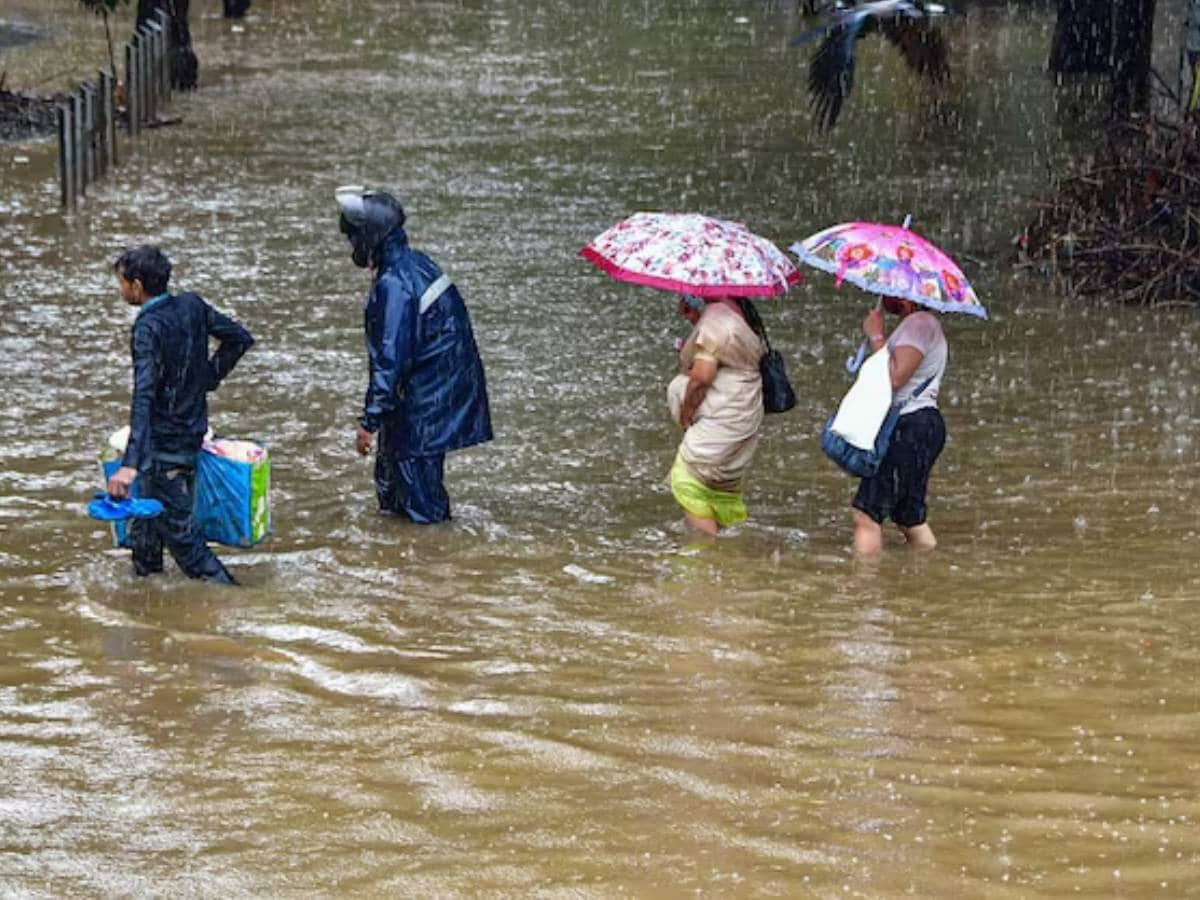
(367, 217)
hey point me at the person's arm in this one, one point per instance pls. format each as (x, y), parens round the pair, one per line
(234, 341)
(147, 368)
(903, 360)
(902, 364)
(392, 354)
(873, 328)
(700, 378)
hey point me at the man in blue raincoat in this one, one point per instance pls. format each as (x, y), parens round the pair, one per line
(172, 375)
(426, 394)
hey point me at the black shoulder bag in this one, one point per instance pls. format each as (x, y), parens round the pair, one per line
(778, 395)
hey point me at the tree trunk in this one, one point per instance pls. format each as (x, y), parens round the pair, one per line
(1133, 33)
(1189, 62)
(184, 65)
(1083, 38)
(1095, 37)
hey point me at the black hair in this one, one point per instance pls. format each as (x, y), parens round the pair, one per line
(146, 264)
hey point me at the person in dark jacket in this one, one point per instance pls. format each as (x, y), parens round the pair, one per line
(168, 416)
(426, 394)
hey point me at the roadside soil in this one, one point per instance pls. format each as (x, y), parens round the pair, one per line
(22, 116)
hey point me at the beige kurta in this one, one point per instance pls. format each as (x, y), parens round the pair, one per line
(719, 446)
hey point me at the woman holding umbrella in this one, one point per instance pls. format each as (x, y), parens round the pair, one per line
(917, 363)
(912, 277)
(717, 399)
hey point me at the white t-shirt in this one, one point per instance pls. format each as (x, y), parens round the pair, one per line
(921, 331)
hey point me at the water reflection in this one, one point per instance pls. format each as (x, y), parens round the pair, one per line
(561, 693)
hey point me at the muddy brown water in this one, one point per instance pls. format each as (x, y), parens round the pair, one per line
(562, 693)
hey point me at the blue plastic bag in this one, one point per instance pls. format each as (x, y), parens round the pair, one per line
(232, 499)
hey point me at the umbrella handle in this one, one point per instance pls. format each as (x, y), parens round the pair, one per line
(854, 362)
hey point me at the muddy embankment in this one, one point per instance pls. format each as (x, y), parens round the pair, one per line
(22, 116)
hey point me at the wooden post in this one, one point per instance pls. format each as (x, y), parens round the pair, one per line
(77, 142)
(108, 112)
(131, 93)
(101, 133)
(164, 20)
(160, 66)
(156, 51)
(146, 43)
(87, 91)
(139, 81)
(64, 156)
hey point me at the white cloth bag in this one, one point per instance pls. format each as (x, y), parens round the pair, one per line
(866, 404)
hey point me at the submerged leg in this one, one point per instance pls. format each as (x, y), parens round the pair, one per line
(145, 541)
(410, 486)
(707, 526)
(919, 537)
(868, 535)
(175, 488)
(422, 490)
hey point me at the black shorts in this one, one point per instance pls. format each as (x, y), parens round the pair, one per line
(897, 490)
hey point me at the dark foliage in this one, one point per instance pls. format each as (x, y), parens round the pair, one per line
(1126, 225)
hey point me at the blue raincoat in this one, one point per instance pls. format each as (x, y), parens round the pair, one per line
(427, 393)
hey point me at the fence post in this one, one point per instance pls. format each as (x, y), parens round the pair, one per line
(87, 91)
(161, 70)
(145, 57)
(138, 57)
(155, 64)
(87, 118)
(108, 112)
(77, 141)
(165, 21)
(64, 155)
(131, 104)
(156, 68)
(151, 105)
(101, 127)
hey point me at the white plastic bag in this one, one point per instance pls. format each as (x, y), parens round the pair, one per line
(866, 404)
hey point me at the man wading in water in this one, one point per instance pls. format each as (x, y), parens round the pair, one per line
(426, 394)
(168, 415)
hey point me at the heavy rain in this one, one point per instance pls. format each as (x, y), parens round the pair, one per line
(564, 692)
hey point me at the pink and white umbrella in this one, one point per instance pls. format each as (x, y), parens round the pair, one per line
(892, 260)
(688, 253)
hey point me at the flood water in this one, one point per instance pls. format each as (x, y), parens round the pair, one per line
(562, 693)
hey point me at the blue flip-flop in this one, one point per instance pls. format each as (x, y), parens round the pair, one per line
(107, 508)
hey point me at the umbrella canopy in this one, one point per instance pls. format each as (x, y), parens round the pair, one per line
(894, 261)
(692, 254)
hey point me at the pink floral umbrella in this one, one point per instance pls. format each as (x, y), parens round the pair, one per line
(894, 261)
(692, 254)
